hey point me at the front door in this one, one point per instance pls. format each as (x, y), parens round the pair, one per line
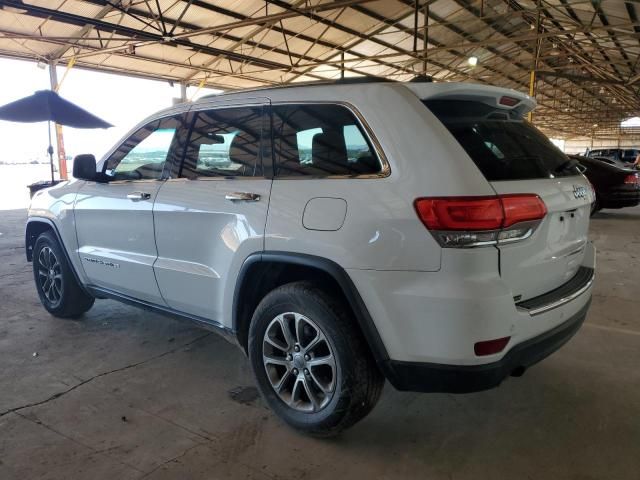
(114, 219)
(211, 215)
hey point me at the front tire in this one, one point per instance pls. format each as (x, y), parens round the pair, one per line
(310, 361)
(59, 292)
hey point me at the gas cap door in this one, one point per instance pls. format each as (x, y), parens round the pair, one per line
(324, 213)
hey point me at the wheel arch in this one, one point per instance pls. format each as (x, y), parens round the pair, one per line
(262, 272)
(36, 226)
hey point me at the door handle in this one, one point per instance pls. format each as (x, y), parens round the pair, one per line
(138, 196)
(242, 197)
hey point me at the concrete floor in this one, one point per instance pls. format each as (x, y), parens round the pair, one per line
(126, 394)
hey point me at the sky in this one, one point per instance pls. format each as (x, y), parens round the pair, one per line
(120, 100)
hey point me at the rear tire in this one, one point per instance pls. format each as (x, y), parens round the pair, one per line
(310, 361)
(59, 292)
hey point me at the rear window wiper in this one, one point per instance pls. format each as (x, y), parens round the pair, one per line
(564, 166)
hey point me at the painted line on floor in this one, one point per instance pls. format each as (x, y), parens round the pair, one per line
(613, 329)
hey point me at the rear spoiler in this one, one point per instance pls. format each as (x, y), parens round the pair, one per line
(496, 97)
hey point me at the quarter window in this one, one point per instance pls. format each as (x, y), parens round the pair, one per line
(224, 142)
(320, 140)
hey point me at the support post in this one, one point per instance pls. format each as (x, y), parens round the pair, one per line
(425, 39)
(534, 63)
(415, 25)
(62, 159)
(183, 93)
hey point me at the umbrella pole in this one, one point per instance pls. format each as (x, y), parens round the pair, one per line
(50, 150)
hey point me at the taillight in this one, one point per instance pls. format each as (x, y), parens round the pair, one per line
(522, 208)
(465, 213)
(477, 221)
(631, 179)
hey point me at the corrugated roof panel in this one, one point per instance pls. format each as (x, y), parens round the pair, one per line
(305, 26)
(490, 38)
(389, 8)
(25, 48)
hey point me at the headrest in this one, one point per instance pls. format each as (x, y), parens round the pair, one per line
(243, 151)
(329, 152)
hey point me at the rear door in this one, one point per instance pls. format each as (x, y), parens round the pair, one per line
(516, 158)
(210, 216)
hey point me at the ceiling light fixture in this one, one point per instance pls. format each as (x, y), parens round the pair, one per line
(473, 61)
(18, 10)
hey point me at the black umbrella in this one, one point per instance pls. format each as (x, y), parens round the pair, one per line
(48, 106)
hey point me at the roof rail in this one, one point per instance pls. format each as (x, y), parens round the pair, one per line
(356, 80)
(339, 81)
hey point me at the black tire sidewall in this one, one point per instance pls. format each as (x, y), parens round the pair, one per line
(321, 313)
(69, 284)
(597, 205)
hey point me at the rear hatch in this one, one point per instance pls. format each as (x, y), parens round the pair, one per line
(516, 158)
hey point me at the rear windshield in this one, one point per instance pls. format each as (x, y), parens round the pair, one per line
(502, 145)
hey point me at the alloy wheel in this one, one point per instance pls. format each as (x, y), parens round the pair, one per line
(299, 362)
(50, 275)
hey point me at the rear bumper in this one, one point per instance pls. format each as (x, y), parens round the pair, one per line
(433, 377)
(574, 288)
(430, 321)
(620, 197)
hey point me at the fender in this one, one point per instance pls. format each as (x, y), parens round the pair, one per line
(329, 267)
(29, 246)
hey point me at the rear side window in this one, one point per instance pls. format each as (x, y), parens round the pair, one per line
(224, 143)
(319, 141)
(501, 144)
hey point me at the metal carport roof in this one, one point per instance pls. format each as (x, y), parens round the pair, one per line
(584, 53)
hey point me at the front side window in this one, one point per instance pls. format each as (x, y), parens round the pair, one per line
(224, 143)
(320, 140)
(144, 154)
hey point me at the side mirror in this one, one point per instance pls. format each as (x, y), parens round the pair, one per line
(84, 167)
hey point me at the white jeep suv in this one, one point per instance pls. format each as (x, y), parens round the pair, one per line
(340, 234)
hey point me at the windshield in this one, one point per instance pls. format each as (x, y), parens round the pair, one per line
(630, 155)
(501, 144)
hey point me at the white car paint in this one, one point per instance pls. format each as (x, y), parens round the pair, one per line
(184, 247)
(203, 239)
(116, 231)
